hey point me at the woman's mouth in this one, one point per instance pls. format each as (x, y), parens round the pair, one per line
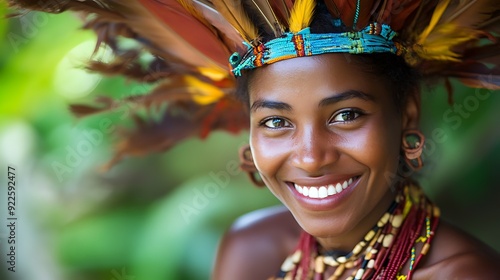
(324, 191)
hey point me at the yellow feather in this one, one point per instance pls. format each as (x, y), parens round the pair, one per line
(234, 13)
(214, 74)
(202, 93)
(436, 16)
(439, 44)
(301, 15)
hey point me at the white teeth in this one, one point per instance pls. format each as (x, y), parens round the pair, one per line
(298, 188)
(313, 192)
(305, 191)
(331, 190)
(323, 191)
(338, 187)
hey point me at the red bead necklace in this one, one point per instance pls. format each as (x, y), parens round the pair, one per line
(402, 235)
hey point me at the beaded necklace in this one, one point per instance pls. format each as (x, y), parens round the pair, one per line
(403, 234)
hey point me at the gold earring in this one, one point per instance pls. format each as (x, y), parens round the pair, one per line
(413, 150)
(247, 165)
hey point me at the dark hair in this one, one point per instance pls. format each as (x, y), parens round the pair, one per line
(399, 76)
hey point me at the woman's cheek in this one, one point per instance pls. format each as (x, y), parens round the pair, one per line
(269, 153)
(373, 145)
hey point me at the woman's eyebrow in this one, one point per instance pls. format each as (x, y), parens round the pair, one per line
(276, 105)
(260, 104)
(346, 95)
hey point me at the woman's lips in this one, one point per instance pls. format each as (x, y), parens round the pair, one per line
(322, 195)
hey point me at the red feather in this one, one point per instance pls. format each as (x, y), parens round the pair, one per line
(346, 10)
(396, 13)
(282, 9)
(224, 29)
(196, 34)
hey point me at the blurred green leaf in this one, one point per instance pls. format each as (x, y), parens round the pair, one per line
(105, 240)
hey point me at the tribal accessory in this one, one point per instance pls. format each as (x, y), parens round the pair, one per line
(413, 148)
(403, 234)
(303, 43)
(247, 165)
(192, 40)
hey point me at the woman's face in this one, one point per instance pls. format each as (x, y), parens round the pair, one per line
(325, 137)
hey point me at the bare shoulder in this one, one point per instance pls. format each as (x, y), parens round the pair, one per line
(256, 245)
(457, 255)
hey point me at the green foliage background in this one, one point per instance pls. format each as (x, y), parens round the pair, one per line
(161, 216)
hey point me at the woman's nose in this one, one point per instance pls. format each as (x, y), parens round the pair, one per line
(315, 150)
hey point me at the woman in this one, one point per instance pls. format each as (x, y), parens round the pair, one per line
(333, 124)
(335, 119)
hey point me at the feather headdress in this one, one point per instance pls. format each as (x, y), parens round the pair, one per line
(192, 40)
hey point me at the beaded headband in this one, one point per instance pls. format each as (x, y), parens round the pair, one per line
(375, 38)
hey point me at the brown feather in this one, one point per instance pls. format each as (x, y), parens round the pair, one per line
(196, 35)
(182, 120)
(81, 110)
(94, 6)
(384, 11)
(233, 12)
(157, 36)
(492, 24)
(127, 64)
(470, 13)
(226, 31)
(161, 39)
(266, 14)
(475, 75)
(419, 20)
(486, 54)
(449, 89)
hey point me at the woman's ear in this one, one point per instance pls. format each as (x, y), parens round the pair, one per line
(411, 110)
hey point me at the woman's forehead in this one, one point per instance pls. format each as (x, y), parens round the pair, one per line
(323, 75)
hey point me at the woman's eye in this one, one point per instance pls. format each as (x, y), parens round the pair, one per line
(276, 123)
(346, 116)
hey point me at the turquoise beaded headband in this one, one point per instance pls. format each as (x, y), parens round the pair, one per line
(375, 38)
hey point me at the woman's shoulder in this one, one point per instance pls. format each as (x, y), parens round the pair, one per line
(455, 254)
(256, 244)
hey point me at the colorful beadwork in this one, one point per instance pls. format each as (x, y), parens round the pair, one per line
(375, 38)
(391, 243)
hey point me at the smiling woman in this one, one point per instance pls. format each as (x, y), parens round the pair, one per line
(330, 91)
(330, 135)
(338, 124)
